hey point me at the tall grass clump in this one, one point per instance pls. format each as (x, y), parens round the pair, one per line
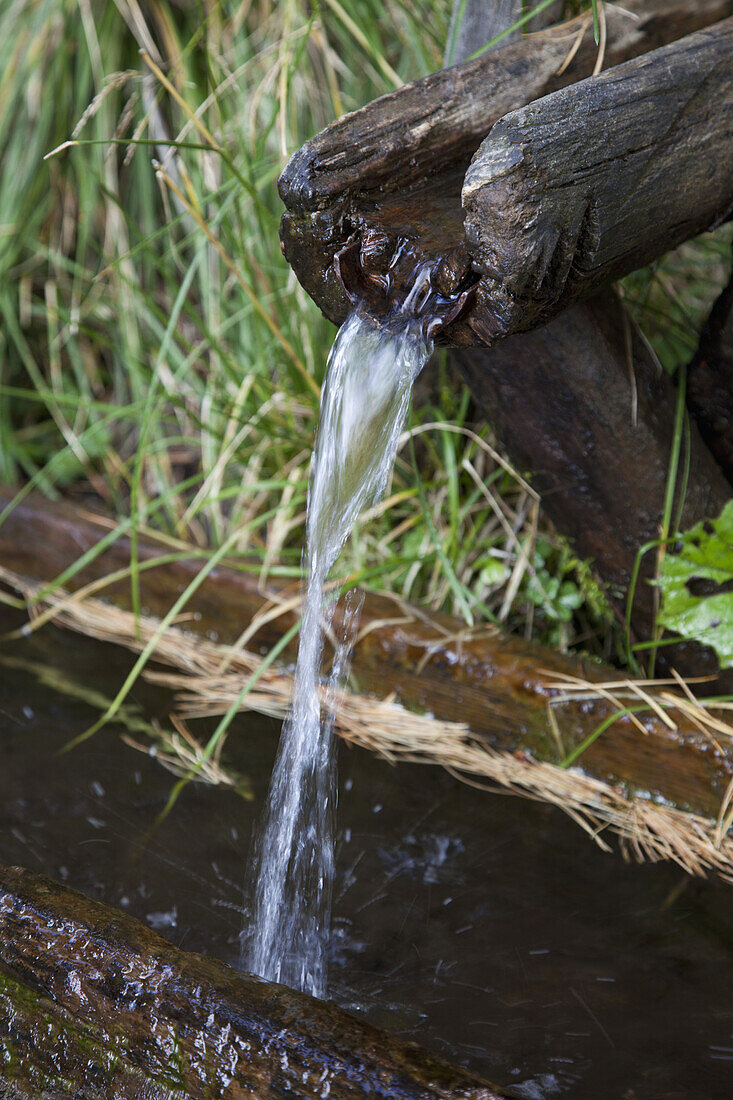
(156, 351)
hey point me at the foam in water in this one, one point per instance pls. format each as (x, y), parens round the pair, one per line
(364, 405)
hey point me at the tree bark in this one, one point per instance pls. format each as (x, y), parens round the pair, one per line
(588, 184)
(710, 382)
(94, 1004)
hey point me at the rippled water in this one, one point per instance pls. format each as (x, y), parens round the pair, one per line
(364, 404)
(488, 929)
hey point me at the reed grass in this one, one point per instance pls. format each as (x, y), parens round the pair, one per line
(155, 350)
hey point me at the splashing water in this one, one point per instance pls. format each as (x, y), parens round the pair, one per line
(364, 405)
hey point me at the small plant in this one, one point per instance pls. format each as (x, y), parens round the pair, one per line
(696, 583)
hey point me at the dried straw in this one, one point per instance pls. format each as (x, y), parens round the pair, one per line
(208, 678)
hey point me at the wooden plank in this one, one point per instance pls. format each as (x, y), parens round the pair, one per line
(596, 180)
(499, 685)
(95, 1005)
(392, 171)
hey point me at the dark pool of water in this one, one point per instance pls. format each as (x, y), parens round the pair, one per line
(487, 928)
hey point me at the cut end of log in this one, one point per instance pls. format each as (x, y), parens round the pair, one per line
(503, 155)
(539, 254)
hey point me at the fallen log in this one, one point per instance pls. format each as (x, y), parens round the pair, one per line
(710, 382)
(584, 405)
(95, 1004)
(392, 172)
(588, 184)
(520, 704)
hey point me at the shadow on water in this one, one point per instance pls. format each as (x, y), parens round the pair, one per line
(486, 928)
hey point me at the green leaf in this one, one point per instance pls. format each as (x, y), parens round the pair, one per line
(492, 572)
(696, 582)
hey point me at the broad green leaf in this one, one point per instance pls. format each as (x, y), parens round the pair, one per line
(696, 581)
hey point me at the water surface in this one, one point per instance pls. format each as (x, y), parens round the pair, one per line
(484, 927)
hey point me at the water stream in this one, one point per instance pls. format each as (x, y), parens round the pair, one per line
(364, 405)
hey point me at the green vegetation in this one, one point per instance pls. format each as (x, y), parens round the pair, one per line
(696, 581)
(156, 350)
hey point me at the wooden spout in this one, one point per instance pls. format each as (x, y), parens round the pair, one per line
(392, 172)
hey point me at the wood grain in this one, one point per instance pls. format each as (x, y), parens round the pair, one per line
(596, 180)
(392, 171)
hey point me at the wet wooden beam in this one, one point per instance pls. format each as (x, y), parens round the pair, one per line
(392, 172)
(710, 382)
(95, 1005)
(499, 685)
(574, 191)
(584, 405)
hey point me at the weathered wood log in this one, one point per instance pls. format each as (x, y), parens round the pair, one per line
(500, 685)
(583, 404)
(710, 382)
(564, 400)
(582, 187)
(94, 1004)
(392, 172)
(340, 180)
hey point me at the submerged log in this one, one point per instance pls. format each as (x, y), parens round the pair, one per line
(502, 687)
(590, 183)
(710, 382)
(96, 1005)
(583, 404)
(392, 172)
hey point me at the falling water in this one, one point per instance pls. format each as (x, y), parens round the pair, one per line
(364, 404)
